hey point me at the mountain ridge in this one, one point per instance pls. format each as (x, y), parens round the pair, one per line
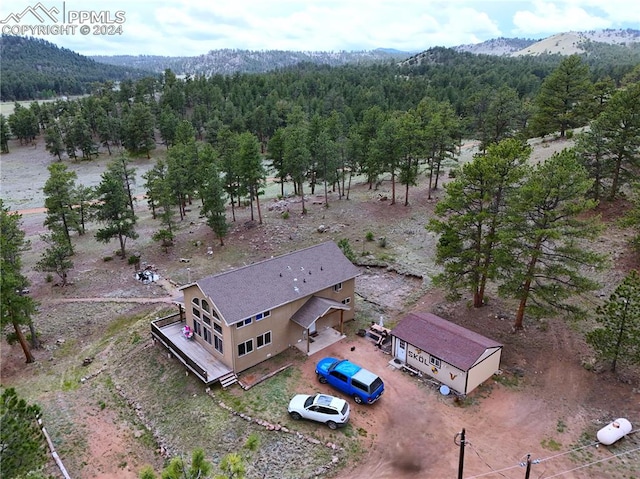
(229, 61)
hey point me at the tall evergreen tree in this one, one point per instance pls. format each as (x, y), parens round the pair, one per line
(56, 258)
(472, 213)
(53, 141)
(114, 212)
(139, 130)
(250, 170)
(618, 337)
(619, 124)
(5, 134)
(58, 189)
(24, 447)
(213, 203)
(543, 252)
(17, 307)
(565, 98)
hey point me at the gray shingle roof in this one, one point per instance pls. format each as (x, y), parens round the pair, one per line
(313, 309)
(443, 339)
(244, 292)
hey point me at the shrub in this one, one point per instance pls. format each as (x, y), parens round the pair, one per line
(106, 259)
(369, 236)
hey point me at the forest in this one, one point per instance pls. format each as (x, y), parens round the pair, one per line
(34, 69)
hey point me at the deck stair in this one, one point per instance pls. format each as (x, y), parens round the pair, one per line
(228, 379)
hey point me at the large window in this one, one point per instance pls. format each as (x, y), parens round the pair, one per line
(205, 306)
(245, 348)
(217, 343)
(263, 339)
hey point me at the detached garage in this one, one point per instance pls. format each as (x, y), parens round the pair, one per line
(455, 356)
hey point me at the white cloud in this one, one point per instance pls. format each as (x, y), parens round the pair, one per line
(554, 17)
(193, 27)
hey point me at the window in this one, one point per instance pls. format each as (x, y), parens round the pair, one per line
(217, 343)
(197, 327)
(196, 301)
(403, 345)
(339, 376)
(346, 300)
(263, 339)
(435, 361)
(196, 312)
(243, 323)
(206, 319)
(337, 287)
(359, 385)
(263, 315)
(207, 335)
(205, 306)
(217, 328)
(245, 348)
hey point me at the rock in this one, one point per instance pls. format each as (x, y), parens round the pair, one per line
(322, 228)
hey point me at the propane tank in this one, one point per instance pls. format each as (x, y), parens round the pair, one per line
(614, 431)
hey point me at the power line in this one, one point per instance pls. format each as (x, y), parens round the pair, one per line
(499, 471)
(566, 452)
(594, 462)
(537, 461)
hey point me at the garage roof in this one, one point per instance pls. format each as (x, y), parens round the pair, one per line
(443, 339)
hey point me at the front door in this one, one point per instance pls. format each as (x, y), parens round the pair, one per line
(312, 329)
(401, 350)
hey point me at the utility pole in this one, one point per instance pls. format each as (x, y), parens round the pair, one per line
(526, 474)
(462, 442)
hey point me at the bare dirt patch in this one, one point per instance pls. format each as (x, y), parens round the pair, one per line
(545, 402)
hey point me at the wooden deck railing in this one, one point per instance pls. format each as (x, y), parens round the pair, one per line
(156, 331)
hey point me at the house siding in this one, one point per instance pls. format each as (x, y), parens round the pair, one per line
(284, 332)
(446, 374)
(483, 369)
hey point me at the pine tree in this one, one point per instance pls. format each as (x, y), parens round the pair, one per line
(23, 444)
(114, 212)
(5, 134)
(56, 258)
(618, 338)
(59, 200)
(543, 254)
(213, 203)
(565, 98)
(472, 213)
(16, 306)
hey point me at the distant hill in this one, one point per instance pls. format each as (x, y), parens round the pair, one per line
(36, 69)
(563, 43)
(229, 61)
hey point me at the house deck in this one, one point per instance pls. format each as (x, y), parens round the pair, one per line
(189, 351)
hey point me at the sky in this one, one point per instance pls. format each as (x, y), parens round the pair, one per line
(194, 27)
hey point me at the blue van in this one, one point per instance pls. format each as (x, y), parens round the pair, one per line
(362, 385)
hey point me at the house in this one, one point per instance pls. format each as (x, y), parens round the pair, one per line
(455, 356)
(231, 321)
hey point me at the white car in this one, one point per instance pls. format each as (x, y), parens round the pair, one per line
(330, 410)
